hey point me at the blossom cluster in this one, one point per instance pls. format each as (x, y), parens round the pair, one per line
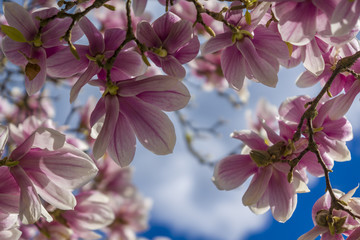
(51, 188)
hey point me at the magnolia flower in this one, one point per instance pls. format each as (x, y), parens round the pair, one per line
(45, 166)
(128, 64)
(92, 212)
(299, 21)
(134, 107)
(171, 42)
(131, 216)
(269, 187)
(329, 134)
(252, 50)
(331, 225)
(25, 46)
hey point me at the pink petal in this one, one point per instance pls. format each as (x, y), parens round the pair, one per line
(179, 35)
(355, 235)
(9, 193)
(343, 102)
(297, 21)
(4, 135)
(112, 113)
(282, 197)
(261, 206)
(123, 142)
(7, 221)
(151, 84)
(340, 129)
(232, 171)
(153, 128)
(292, 108)
(139, 6)
(306, 79)
(251, 139)
(258, 186)
(98, 112)
(56, 29)
(11, 234)
(43, 138)
(19, 18)
(232, 65)
(313, 233)
(313, 61)
(113, 38)
(261, 69)
(336, 149)
(15, 51)
(91, 71)
(345, 17)
(217, 43)
(68, 167)
(30, 204)
(57, 196)
(172, 99)
(172, 67)
(146, 35)
(96, 40)
(270, 42)
(34, 85)
(64, 64)
(129, 63)
(189, 52)
(162, 26)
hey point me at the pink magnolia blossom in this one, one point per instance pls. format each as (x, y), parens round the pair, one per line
(92, 212)
(269, 187)
(30, 48)
(344, 224)
(45, 166)
(131, 216)
(253, 51)
(208, 68)
(330, 135)
(134, 107)
(128, 64)
(56, 231)
(342, 81)
(300, 20)
(171, 42)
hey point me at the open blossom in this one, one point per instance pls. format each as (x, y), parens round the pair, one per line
(269, 187)
(300, 20)
(329, 134)
(208, 67)
(134, 107)
(171, 42)
(128, 63)
(92, 212)
(45, 166)
(131, 216)
(252, 50)
(30, 48)
(332, 225)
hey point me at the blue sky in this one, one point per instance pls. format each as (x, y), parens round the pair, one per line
(187, 206)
